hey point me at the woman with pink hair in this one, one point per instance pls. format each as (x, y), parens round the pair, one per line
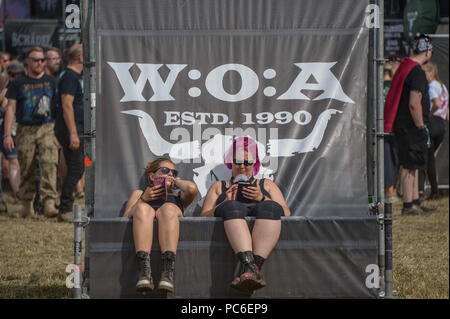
(243, 196)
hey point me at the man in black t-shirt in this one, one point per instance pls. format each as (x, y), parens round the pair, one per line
(69, 126)
(410, 127)
(31, 99)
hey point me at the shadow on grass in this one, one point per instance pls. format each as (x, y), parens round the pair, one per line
(35, 292)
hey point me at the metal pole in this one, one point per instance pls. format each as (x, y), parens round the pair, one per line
(89, 78)
(371, 102)
(379, 64)
(78, 239)
(389, 275)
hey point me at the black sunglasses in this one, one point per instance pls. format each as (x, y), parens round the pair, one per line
(166, 170)
(245, 162)
(37, 59)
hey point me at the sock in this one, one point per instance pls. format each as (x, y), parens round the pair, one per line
(142, 254)
(169, 254)
(407, 205)
(416, 202)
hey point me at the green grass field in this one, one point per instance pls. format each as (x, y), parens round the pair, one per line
(34, 254)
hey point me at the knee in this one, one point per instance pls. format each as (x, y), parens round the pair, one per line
(13, 163)
(143, 211)
(231, 209)
(168, 211)
(269, 210)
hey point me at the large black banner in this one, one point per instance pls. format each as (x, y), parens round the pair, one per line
(21, 35)
(183, 79)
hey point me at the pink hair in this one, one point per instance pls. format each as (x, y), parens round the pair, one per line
(248, 145)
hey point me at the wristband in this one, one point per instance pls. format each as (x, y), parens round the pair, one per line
(263, 199)
(7, 135)
(142, 199)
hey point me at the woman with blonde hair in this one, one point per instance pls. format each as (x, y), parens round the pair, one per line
(438, 115)
(165, 197)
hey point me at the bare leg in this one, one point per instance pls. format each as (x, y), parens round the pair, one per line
(390, 191)
(143, 218)
(14, 175)
(168, 227)
(416, 185)
(407, 178)
(265, 236)
(80, 185)
(238, 235)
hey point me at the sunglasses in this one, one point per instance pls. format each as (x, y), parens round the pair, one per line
(166, 170)
(245, 162)
(37, 59)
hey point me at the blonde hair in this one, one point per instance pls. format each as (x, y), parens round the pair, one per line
(152, 167)
(433, 67)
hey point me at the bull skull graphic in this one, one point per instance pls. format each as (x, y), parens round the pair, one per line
(212, 151)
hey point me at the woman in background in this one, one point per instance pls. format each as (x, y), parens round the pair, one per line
(438, 115)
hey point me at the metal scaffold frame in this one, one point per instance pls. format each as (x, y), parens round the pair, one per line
(375, 142)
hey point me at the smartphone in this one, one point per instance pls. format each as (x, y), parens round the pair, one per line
(160, 180)
(239, 196)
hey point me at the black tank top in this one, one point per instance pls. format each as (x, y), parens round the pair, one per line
(223, 195)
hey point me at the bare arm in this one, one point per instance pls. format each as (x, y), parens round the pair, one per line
(415, 107)
(8, 142)
(4, 101)
(276, 195)
(436, 105)
(188, 189)
(135, 195)
(69, 118)
(209, 205)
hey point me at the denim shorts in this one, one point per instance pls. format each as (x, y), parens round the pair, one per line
(13, 153)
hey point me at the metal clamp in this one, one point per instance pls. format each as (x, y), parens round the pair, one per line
(89, 134)
(89, 64)
(82, 220)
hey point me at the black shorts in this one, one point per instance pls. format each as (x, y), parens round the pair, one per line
(155, 204)
(412, 147)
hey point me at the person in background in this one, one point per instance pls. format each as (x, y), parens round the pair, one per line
(260, 198)
(438, 115)
(15, 68)
(69, 125)
(164, 197)
(31, 98)
(5, 59)
(406, 114)
(391, 166)
(52, 61)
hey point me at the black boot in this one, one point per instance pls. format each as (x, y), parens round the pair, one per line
(248, 281)
(166, 284)
(259, 261)
(145, 281)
